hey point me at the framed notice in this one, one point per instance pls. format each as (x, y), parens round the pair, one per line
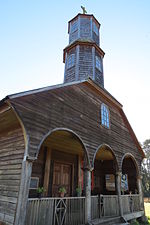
(110, 182)
(34, 183)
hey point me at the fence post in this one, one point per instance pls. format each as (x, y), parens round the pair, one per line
(118, 189)
(87, 195)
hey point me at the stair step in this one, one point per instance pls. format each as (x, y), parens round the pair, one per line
(121, 224)
(107, 221)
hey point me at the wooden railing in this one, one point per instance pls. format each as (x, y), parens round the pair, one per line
(71, 210)
(131, 203)
(56, 211)
(104, 206)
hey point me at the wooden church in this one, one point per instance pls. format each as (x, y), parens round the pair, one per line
(68, 155)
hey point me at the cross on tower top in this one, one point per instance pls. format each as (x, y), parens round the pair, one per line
(84, 10)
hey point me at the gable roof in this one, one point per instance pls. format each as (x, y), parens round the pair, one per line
(91, 84)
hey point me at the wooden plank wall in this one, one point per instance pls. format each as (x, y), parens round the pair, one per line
(75, 107)
(85, 62)
(11, 155)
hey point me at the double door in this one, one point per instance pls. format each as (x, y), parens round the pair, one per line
(62, 177)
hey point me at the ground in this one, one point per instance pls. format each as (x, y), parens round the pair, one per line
(147, 212)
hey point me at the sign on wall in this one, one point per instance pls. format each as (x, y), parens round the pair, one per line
(110, 182)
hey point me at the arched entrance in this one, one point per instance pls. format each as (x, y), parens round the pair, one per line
(105, 168)
(130, 173)
(59, 164)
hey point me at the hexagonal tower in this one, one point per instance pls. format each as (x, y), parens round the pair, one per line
(83, 57)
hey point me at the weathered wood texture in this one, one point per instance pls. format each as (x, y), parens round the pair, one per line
(11, 156)
(76, 107)
(82, 27)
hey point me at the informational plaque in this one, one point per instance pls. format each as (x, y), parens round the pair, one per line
(110, 182)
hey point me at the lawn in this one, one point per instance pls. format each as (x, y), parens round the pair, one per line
(147, 209)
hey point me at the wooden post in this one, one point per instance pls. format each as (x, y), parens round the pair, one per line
(139, 185)
(47, 171)
(118, 189)
(79, 172)
(87, 173)
(23, 192)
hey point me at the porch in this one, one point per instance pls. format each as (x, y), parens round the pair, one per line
(72, 210)
(63, 162)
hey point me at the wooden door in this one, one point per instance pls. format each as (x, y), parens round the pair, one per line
(62, 177)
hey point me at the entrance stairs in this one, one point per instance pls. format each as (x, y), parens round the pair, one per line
(110, 221)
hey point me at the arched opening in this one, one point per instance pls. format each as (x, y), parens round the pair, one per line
(105, 167)
(59, 164)
(129, 175)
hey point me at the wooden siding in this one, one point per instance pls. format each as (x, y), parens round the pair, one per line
(85, 62)
(75, 107)
(11, 156)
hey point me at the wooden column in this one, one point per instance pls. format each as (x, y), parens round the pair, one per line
(47, 171)
(79, 171)
(87, 173)
(23, 192)
(139, 186)
(118, 189)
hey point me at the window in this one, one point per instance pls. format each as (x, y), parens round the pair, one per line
(74, 26)
(95, 28)
(71, 61)
(99, 63)
(105, 116)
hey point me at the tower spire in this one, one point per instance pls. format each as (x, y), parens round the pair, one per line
(83, 57)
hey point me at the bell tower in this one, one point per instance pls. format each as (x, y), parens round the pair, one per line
(83, 57)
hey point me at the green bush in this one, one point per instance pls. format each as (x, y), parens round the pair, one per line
(134, 222)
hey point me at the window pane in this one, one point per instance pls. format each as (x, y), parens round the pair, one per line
(104, 115)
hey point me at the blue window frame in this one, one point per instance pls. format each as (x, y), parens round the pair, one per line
(105, 116)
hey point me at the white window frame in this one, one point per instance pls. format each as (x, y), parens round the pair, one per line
(98, 62)
(70, 61)
(105, 116)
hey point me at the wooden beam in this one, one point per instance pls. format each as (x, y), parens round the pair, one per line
(47, 171)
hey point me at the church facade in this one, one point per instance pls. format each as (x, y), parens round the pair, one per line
(68, 154)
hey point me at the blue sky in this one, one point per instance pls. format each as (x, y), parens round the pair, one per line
(33, 34)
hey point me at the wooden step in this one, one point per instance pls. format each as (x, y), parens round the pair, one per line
(110, 221)
(106, 221)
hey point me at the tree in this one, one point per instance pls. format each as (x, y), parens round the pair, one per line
(146, 168)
